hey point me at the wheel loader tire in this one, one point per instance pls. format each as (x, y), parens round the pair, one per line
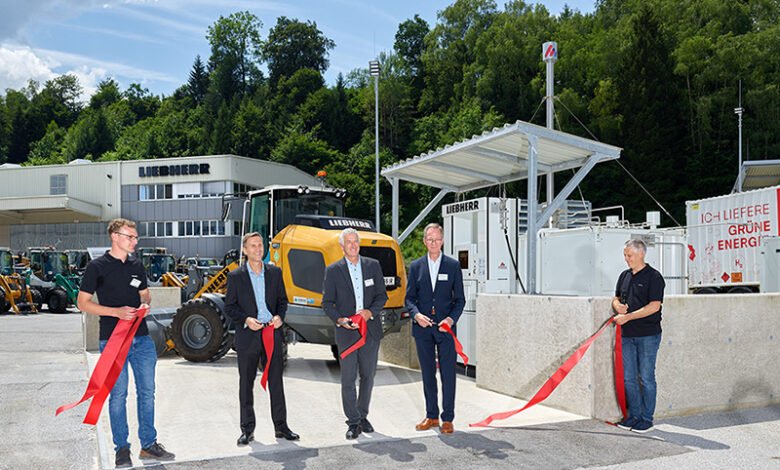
(37, 298)
(200, 332)
(57, 301)
(4, 306)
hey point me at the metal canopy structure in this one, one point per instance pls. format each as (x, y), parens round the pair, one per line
(510, 153)
(757, 174)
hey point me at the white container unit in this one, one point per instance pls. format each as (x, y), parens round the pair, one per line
(770, 267)
(725, 236)
(588, 260)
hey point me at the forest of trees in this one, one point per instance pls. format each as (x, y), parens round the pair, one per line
(658, 78)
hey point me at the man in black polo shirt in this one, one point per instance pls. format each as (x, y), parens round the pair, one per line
(120, 283)
(638, 298)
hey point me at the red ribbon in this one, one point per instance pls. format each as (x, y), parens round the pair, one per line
(362, 327)
(620, 387)
(108, 367)
(458, 347)
(552, 383)
(268, 344)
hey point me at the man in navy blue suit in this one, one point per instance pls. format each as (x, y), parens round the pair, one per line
(434, 296)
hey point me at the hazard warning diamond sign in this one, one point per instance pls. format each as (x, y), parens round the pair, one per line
(725, 277)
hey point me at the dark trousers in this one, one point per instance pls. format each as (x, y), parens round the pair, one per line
(429, 344)
(248, 360)
(362, 362)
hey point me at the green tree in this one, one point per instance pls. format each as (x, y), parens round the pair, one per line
(90, 137)
(48, 150)
(198, 82)
(409, 46)
(449, 48)
(17, 104)
(294, 45)
(141, 101)
(303, 151)
(235, 53)
(107, 93)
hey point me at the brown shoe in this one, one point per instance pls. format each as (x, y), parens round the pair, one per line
(427, 424)
(447, 427)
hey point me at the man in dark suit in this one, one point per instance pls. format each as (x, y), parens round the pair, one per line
(355, 285)
(434, 296)
(256, 299)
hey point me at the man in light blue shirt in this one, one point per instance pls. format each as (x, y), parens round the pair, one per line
(354, 285)
(356, 275)
(258, 285)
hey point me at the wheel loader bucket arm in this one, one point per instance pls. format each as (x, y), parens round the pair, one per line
(218, 282)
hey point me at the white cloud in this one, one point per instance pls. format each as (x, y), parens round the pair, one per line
(25, 63)
(21, 65)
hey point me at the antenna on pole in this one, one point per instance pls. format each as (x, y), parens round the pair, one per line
(738, 111)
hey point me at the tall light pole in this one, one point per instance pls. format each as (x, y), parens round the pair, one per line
(738, 111)
(373, 68)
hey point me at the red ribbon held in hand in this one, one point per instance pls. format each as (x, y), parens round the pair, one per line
(268, 344)
(620, 386)
(458, 346)
(109, 366)
(552, 383)
(362, 327)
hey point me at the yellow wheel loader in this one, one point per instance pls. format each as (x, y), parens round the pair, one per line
(300, 226)
(15, 294)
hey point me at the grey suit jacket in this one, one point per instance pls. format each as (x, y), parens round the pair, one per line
(338, 298)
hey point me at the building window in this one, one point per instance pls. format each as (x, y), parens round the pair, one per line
(58, 184)
(212, 189)
(240, 188)
(150, 192)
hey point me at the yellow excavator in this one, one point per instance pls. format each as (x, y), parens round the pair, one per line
(300, 226)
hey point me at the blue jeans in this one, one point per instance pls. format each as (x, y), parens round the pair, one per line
(639, 354)
(143, 359)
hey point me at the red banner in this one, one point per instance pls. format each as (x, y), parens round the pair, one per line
(362, 327)
(108, 367)
(458, 346)
(268, 345)
(552, 383)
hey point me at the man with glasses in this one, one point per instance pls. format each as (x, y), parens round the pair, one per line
(434, 296)
(119, 280)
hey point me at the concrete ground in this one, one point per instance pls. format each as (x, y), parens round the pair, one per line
(42, 365)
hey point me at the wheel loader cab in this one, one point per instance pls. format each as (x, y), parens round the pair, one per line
(273, 208)
(157, 265)
(53, 263)
(6, 262)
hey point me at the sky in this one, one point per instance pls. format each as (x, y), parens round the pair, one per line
(155, 42)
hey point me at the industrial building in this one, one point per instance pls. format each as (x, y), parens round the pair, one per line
(178, 203)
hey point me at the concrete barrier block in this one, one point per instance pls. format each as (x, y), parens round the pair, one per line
(399, 348)
(90, 324)
(718, 352)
